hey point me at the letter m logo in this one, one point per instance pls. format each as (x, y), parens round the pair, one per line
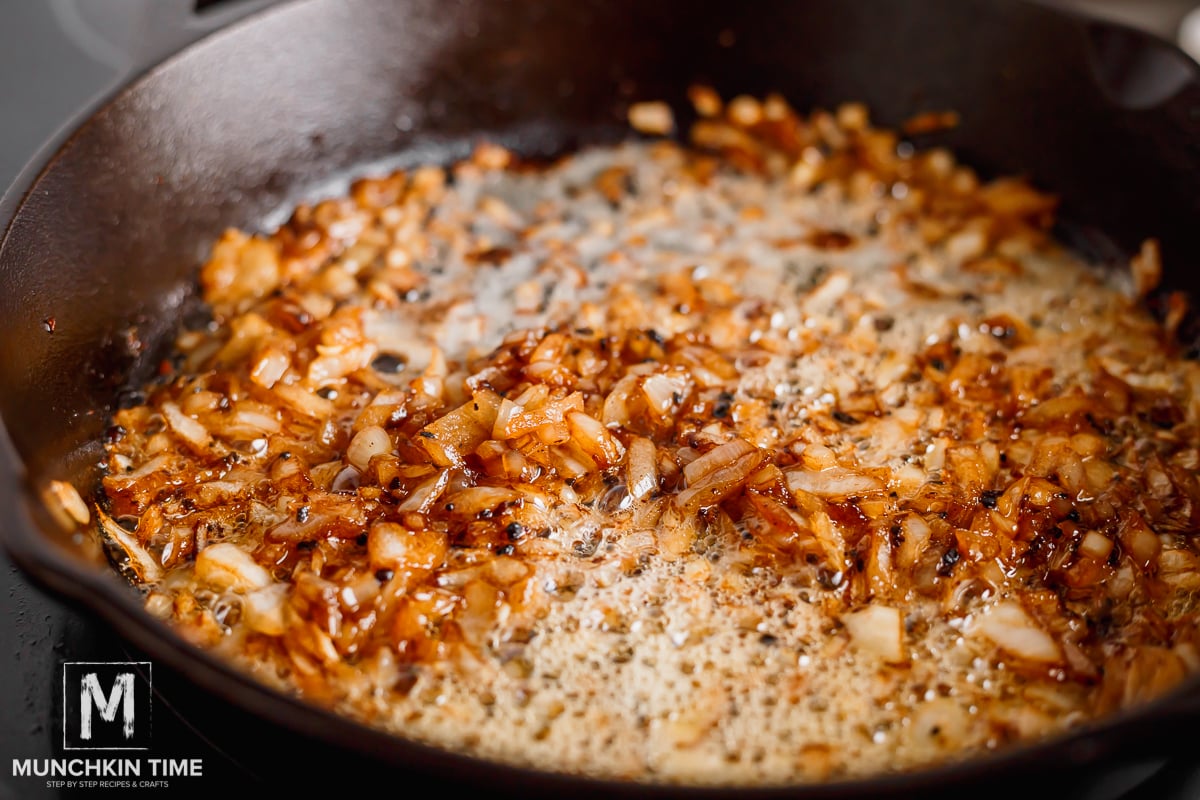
(92, 697)
(106, 706)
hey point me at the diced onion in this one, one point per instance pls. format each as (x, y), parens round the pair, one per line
(1011, 629)
(263, 609)
(226, 566)
(65, 504)
(1096, 545)
(424, 495)
(833, 482)
(188, 429)
(640, 470)
(595, 439)
(719, 456)
(877, 630)
(393, 546)
(367, 443)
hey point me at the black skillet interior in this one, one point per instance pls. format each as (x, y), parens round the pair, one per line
(106, 239)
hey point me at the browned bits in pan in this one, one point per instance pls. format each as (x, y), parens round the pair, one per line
(790, 454)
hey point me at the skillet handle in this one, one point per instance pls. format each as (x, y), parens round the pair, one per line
(129, 36)
(170, 25)
(1136, 70)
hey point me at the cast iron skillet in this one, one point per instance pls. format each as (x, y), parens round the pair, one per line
(108, 226)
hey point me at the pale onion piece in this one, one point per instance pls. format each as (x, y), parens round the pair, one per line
(908, 479)
(1139, 540)
(256, 420)
(940, 724)
(1040, 492)
(553, 433)
(591, 435)
(347, 480)
(765, 478)
(426, 493)
(449, 439)
(1088, 445)
(696, 471)
(652, 117)
(270, 367)
(533, 416)
(516, 467)
(990, 573)
(705, 100)
(482, 614)
(241, 268)
(833, 482)
(1010, 628)
(935, 457)
(1121, 583)
(437, 367)
(822, 298)
(458, 578)
(534, 396)
(892, 368)
(1096, 545)
(331, 365)
(390, 397)
(1146, 267)
(226, 566)
(159, 605)
(504, 416)
(916, 533)
(641, 472)
(360, 592)
(367, 443)
(188, 429)
(393, 546)
(716, 135)
(545, 371)
(469, 502)
(878, 630)
(966, 245)
(162, 463)
(246, 331)
(263, 609)
(570, 464)
(720, 483)
(817, 457)
(676, 532)
(65, 505)
(133, 562)
(661, 393)
(395, 333)
(214, 492)
(744, 111)
(616, 411)
(830, 539)
(303, 401)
